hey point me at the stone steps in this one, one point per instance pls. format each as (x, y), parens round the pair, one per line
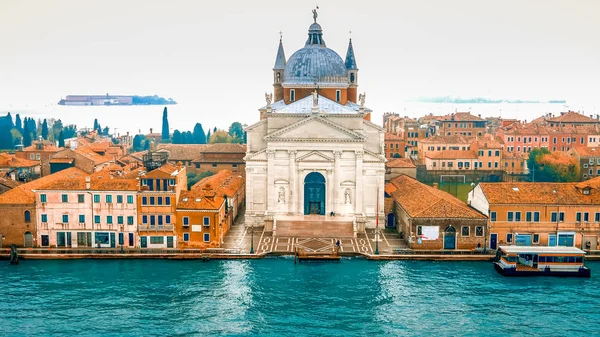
(296, 228)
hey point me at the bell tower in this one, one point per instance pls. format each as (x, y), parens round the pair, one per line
(350, 64)
(278, 71)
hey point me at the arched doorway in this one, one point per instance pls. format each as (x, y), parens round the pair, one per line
(391, 220)
(28, 240)
(314, 194)
(450, 238)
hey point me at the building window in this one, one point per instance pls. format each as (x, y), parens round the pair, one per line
(108, 199)
(130, 199)
(492, 216)
(338, 95)
(37, 156)
(81, 218)
(157, 240)
(536, 216)
(80, 198)
(292, 95)
(206, 221)
(44, 218)
(144, 182)
(528, 216)
(96, 219)
(167, 219)
(586, 217)
(510, 216)
(509, 238)
(186, 237)
(43, 198)
(236, 165)
(167, 201)
(536, 238)
(119, 199)
(64, 198)
(517, 216)
(152, 201)
(206, 237)
(27, 216)
(479, 231)
(578, 216)
(561, 216)
(214, 165)
(96, 198)
(597, 217)
(65, 218)
(119, 220)
(465, 231)
(130, 220)
(186, 221)
(109, 219)
(160, 220)
(144, 219)
(144, 200)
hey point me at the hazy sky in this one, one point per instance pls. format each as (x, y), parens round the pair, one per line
(221, 52)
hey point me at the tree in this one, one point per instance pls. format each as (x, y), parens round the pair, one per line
(555, 166)
(138, 143)
(6, 125)
(32, 128)
(16, 136)
(177, 137)
(105, 131)
(189, 138)
(194, 178)
(45, 130)
(199, 135)
(18, 123)
(214, 129)
(70, 131)
(96, 125)
(220, 136)
(236, 130)
(61, 139)
(208, 136)
(165, 126)
(245, 139)
(56, 127)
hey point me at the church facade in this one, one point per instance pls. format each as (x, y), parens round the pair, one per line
(314, 150)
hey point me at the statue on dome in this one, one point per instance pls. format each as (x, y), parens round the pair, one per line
(315, 96)
(315, 14)
(269, 99)
(361, 98)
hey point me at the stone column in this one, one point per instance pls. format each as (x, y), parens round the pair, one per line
(358, 193)
(292, 182)
(329, 201)
(337, 175)
(300, 190)
(271, 194)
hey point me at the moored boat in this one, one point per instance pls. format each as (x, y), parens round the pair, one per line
(541, 261)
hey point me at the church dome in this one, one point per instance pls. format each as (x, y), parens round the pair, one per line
(315, 63)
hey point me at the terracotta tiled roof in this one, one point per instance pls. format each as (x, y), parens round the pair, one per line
(452, 154)
(591, 183)
(165, 171)
(488, 142)
(99, 181)
(573, 117)
(182, 151)
(199, 199)
(5, 180)
(89, 153)
(455, 139)
(461, 117)
(61, 160)
(539, 193)
(400, 163)
(223, 182)
(8, 160)
(24, 194)
(225, 148)
(423, 201)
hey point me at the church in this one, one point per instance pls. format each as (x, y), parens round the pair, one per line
(314, 154)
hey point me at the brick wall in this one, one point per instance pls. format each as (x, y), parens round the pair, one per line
(13, 226)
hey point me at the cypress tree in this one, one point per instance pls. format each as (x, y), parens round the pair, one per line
(208, 137)
(61, 139)
(199, 135)
(177, 137)
(18, 124)
(45, 129)
(26, 133)
(165, 126)
(96, 126)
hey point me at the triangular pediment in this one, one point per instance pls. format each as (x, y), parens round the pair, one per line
(314, 156)
(373, 157)
(315, 128)
(258, 156)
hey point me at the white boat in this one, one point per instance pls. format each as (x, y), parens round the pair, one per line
(541, 261)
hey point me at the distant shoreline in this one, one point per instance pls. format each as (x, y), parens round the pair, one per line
(109, 100)
(479, 100)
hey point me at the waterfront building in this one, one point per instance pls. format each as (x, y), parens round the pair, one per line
(229, 185)
(588, 159)
(572, 118)
(41, 151)
(395, 146)
(201, 218)
(545, 214)
(19, 169)
(428, 218)
(403, 135)
(440, 144)
(77, 209)
(157, 203)
(314, 150)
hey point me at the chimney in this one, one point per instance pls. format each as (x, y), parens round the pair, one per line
(87, 183)
(179, 166)
(479, 115)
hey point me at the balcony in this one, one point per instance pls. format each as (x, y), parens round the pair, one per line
(155, 228)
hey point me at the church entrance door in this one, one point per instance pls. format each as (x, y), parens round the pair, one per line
(314, 194)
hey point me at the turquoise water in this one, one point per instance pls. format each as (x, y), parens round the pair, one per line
(274, 297)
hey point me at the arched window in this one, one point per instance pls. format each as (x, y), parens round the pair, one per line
(27, 216)
(292, 95)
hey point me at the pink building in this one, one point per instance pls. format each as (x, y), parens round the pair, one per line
(81, 210)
